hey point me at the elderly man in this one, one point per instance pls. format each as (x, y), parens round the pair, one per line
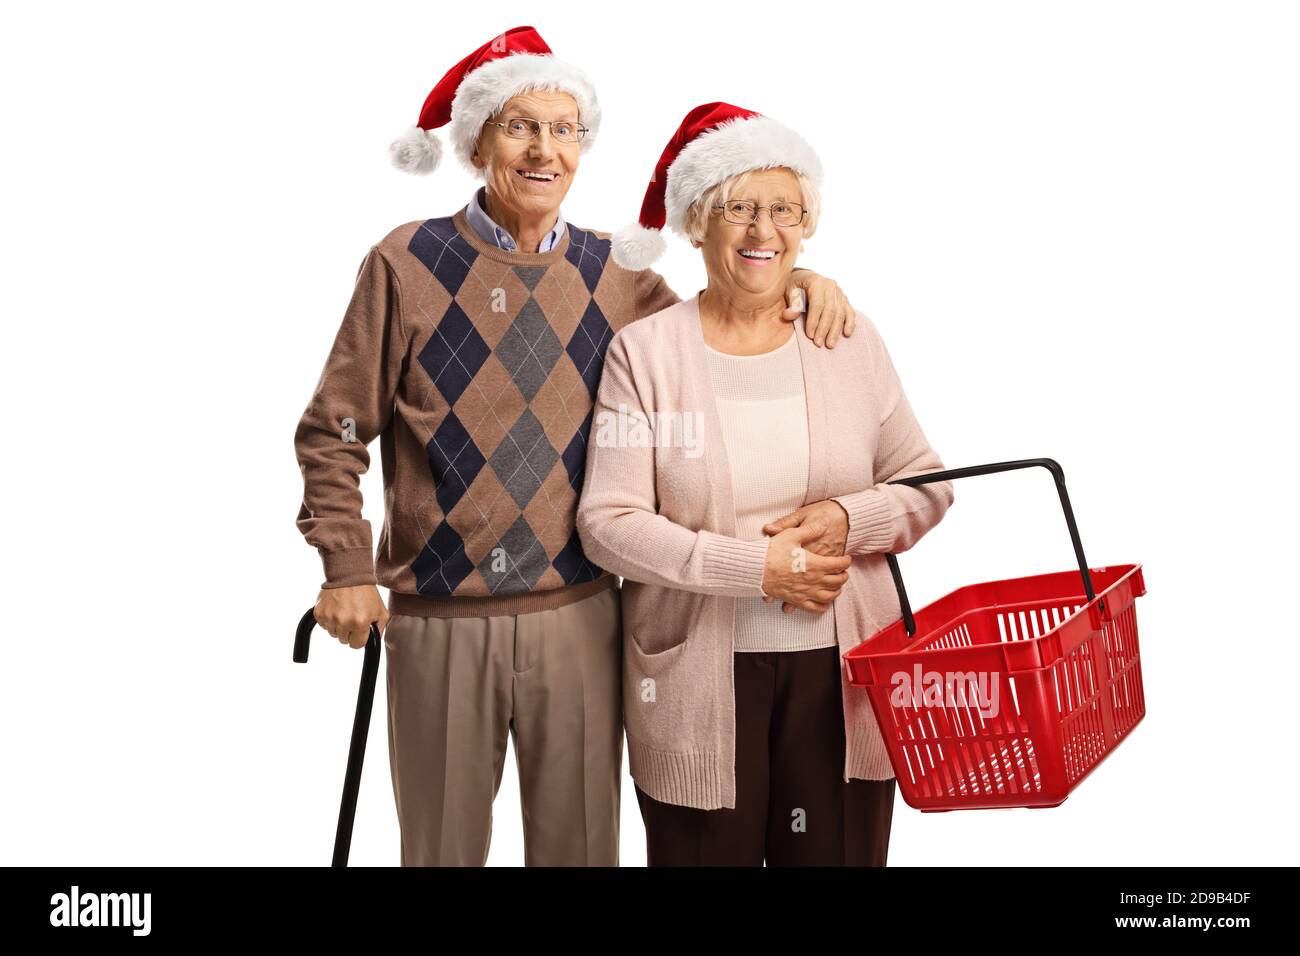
(473, 344)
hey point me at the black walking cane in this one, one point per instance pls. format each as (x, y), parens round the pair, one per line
(360, 728)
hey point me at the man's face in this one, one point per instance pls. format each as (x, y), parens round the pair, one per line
(530, 176)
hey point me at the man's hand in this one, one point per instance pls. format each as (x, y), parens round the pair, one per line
(347, 613)
(798, 577)
(828, 515)
(829, 311)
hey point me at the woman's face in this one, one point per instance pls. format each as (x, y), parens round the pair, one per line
(754, 262)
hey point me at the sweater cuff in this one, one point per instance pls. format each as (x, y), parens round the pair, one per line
(348, 568)
(734, 565)
(871, 526)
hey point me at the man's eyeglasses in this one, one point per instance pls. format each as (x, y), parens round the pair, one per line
(742, 212)
(523, 127)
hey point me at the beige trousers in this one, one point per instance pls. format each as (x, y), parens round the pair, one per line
(458, 686)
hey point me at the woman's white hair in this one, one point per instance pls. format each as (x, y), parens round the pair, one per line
(697, 216)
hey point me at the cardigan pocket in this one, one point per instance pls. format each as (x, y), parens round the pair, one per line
(658, 648)
(656, 662)
(657, 695)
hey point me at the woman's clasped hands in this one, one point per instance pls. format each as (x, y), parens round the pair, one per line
(806, 565)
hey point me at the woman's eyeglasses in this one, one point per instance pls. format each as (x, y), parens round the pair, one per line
(742, 212)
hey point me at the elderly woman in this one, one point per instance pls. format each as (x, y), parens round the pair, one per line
(736, 478)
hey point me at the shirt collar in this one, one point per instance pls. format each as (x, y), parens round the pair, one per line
(476, 213)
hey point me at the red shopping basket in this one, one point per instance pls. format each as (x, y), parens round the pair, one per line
(1006, 693)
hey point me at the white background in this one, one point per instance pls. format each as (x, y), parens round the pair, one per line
(1074, 224)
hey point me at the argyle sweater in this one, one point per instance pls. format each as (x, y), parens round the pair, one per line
(477, 369)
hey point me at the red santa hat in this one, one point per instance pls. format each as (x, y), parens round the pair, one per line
(478, 86)
(715, 142)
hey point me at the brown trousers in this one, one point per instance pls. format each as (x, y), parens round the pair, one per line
(793, 806)
(458, 686)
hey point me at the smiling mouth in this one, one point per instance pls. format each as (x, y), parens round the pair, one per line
(537, 175)
(757, 255)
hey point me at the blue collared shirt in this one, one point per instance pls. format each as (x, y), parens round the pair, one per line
(491, 232)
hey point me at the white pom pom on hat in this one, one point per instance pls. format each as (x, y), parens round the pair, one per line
(636, 247)
(416, 151)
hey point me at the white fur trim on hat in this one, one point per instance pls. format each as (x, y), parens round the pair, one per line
(486, 90)
(416, 151)
(733, 147)
(636, 247)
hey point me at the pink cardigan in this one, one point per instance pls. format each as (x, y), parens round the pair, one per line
(659, 512)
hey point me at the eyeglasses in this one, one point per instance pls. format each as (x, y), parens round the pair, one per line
(742, 212)
(522, 127)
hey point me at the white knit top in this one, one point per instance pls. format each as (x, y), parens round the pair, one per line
(764, 417)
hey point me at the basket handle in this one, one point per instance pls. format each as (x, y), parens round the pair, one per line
(1057, 473)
